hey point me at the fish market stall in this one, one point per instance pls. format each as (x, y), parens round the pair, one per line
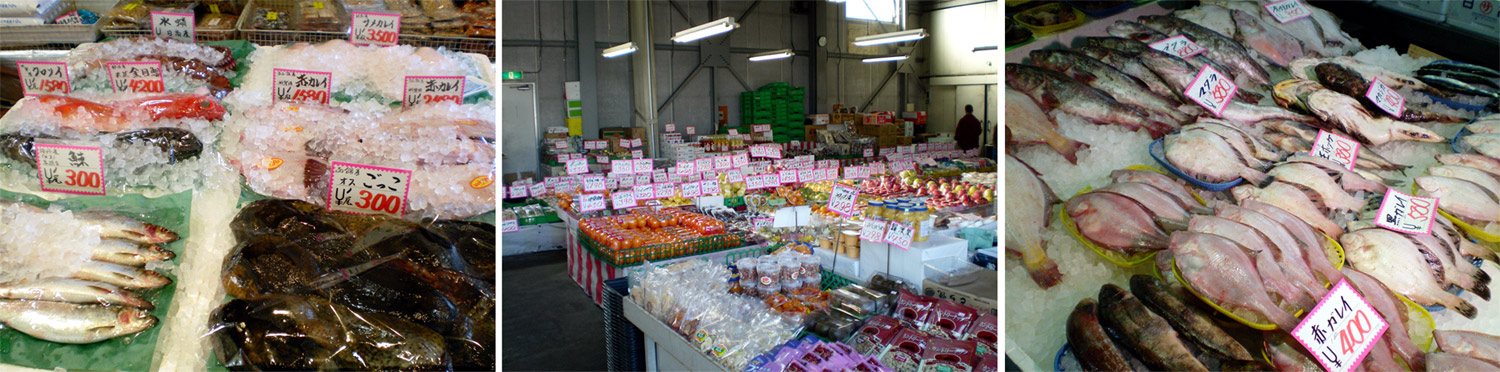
(1184, 189)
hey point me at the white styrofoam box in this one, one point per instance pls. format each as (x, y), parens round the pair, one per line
(572, 91)
(846, 267)
(825, 257)
(1471, 15)
(907, 264)
(1432, 10)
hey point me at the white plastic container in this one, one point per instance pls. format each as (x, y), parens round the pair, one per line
(1432, 10)
(1470, 15)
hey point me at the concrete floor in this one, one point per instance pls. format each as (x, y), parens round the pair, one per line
(548, 323)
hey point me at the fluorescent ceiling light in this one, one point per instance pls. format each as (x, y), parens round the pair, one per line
(775, 54)
(837, 1)
(893, 37)
(620, 50)
(884, 59)
(720, 26)
(988, 48)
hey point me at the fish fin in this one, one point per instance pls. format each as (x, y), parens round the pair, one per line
(1463, 308)
(1481, 290)
(1481, 277)
(1070, 150)
(1410, 132)
(1044, 272)
(1169, 225)
(101, 329)
(1255, 177)
(1477, 251)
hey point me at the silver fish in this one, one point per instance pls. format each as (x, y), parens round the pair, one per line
(1277, 46)
(1165, 210)
(1119, 85)
(115, 225)
(1489, 126)
(1367, 158)
(1128, 64)
(1344, 113)
(1348, 180)
(1115, 223)
(123, 276)
(1401, 266)
(1333, 35)
(1289, 252)
(1235, 140)
(1220, 270)
(1209, 16)
(1478, 177)
(1487, 144)
(1317, 180)
(1259, 148)
(1219, 48)
(1208, 157)
(1164, 183)
(1444, 362)
(1028, 123)
(1380, 297)
(1312, 242)
(1472, 344)
(129, 253)
(1462, 198)
(1476, 161)
(73, 323)
(1300, 295)
(1026, 209)
(1457, 271)
(1053, 90)
(1290, 199)
(1176, 72)
(73, 291)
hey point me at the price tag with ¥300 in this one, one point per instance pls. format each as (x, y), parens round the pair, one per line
(70, 169)
(365, 189)
(899, 235)
(136, 77)
(301, 86)
(432, 89)
(1212, 90)
(1341, 329)
(842, 199)
(1405, 213)
(1339, 149)
(374, 28)
(39, 78)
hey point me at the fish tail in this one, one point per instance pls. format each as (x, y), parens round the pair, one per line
(1255, 177)
(1482, 290)
(1043, 270)
(1458, 304)
(1170, 225)
(1477, 251)
(1069, 149)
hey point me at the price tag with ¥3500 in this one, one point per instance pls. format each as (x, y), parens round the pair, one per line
(365, 189)
(1386, 98)
(1212, 90)
(135, 77)
(842, 199)
(1287, 11)
(1341, 329)
(374, 28)
(70, 169)
(509, 226)
(39, 78)
(301, 86)
(899, 235)
(1406, 214)
(1179, 46)
(432, 89)
(873, 231)
(1339, 149)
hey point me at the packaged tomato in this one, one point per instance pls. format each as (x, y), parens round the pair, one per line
(951, 320)
(913, 310)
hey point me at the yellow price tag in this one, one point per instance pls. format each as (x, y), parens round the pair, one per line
(317, 5)
(270, 16)
(131, 6)
(213, 8)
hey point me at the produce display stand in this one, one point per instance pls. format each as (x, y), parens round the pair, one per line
(665, 349)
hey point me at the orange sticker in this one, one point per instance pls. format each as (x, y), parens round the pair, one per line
(294, 108)
(481, 182)
(469, 122)
(271, 163)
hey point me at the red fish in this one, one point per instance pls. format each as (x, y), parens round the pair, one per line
(83, 115)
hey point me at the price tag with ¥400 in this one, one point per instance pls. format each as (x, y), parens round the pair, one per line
(70, 169)
(1386, 98)
(1341, 329)
(365, 189)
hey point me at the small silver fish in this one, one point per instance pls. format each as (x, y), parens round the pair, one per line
(129, 253)
(123, 276)
(73, 291)
(1469, 343)
(73, 323)
(115, 225)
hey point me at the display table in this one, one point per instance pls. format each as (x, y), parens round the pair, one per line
(534, 238)
(665, 349)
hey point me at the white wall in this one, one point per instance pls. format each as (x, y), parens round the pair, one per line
(956, 73)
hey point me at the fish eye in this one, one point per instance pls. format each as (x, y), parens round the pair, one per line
(205, 104)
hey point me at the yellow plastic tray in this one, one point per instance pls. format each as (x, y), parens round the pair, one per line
(1164, 173)
(1259, 326)
(1486, 239)
(1111, 256)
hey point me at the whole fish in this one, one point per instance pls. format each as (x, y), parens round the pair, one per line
(1484, 180)
(1253, 146)
(1348, 180)
(1488, 126)
(1312, 241)
(1457, 86)
(1367, 158)
(1167, 213)
(1303, 69)
(1235, 141)
(1161, 182)
(1090, 342)
(1221, 271)
(1444, 362)
(1192, 324)
(1171, 69)
(1027, 123)
(1401, 266)
(1290, 199)
(1461, 198)
(177, 144)
(1472, 344)
(1304, 30)
(123, 276)
(1116, 223)
(1274, 44)
(1487, 144)
(1290, 253)
(1277, 282)
(1128, 64)
(1343, 80)
(265, 329)
(1452, 65)
(73, 323)
(1474, 80)
(1317, 180)
(1053, 90)
(1027, 214)
(1117, 84)
(1341, 112)
(115, 116)
(1451, 235)
(124, 252)
(1217, 47)
(1381, 298)
(1210, 16)
(1208, 157)
(1476, 161)
(1146, 335)
(1135, 31)
(118, 226)
(73, 291)
(1288, 355)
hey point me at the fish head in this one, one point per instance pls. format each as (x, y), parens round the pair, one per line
(158, 235)
(1023, 78)
(1339, 77)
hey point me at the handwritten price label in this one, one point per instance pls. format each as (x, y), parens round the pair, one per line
(1405, 213)
(671, 127)
(1287, 11)
(374, 28)
(623, 199)
(722, 162)
(873, 231)
(432, 89)
(517, 191)
(364, 189)
(741, 159)
(1386, 98)
(710, 187)
(71, 18)
(177, 26)
(637, 154)
(869, 152)
(39, 78)
(665, 190)
(642, 179)
(593, 183)
(758, 128)
(1179, 46)
(538, 189)
(635, 142)
(899, 234)
(590, 202)
(1337, 148)
(705, 164)
(773, 151)
(621, 166)
(734, 176)
(734, 132)
(788, 176)
(643, 191)
(686, 167)
(509, 226)
(691, 130)
(644, 166)
(887, 151)
(807, 175)
(136, 77)
(1341, 329)
(692, 189)
(578, 166)
(70, 169)
(301, 86)
(1212, 90)
(842, 199)
(761, 223)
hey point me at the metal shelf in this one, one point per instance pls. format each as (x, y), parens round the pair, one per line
(665, 349)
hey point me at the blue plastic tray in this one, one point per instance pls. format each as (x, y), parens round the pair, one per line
(1159, 153)
(1455, 105)
(1455, 143)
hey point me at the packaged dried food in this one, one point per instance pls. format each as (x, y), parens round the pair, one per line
(269, 19)
(128, 14)
(905, 351)
(951, 320)
(875, 334)
(217, 21)
(985, 332)
(849, 302)
(220, 7)
(913, 310)
(376, 6)
(884, 301)
(320, 15)
(944, 355)
(441, 10)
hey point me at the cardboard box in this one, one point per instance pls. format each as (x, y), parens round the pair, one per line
(810, 132)
(915, 117)
(613, 134)
(819, 119)
(979, 294)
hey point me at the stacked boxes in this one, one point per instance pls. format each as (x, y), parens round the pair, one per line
(778, 104)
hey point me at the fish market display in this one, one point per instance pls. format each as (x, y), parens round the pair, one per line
(1468, 343)
(365, 72)
(1209, 157)
(185, 66)
(1027, 123)
(426, 291)
(1346, 114)
(1402, 265)
(1156, 331)
(1054, 90)
(1343, 80)
(1027, 216)
(1116, 223)
(1222, 271)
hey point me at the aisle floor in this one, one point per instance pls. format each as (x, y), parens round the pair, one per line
(549, 323)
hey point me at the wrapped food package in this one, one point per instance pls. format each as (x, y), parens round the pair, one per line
(269, 19)
(217, 22)
(128, 14)
(228, 7)
(320, 15)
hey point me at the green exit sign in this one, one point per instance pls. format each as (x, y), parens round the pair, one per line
(510, 75)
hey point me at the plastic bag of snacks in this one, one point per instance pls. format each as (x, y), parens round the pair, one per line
(951, 320)
(985, 333)
(875, 335)
(914, 310)
(905, 351)
(128, 14)
(320, 15)
(217, 22)
(944, 355)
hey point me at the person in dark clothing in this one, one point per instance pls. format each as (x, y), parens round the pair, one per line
(968, 131)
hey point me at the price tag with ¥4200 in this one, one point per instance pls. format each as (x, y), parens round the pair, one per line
(374, 28)
(1341, 329)
(39, 78)
(1339, 149)
(176, 26)
(301, 86)
(509, 226)
(590, 202)
(873, 231)
(70, 169)
(365, 189)
(1179, 46)
(1287, 11)
(1212, 90)
(135, 77)
(1386, 98)
(432, 89)
(842, 199)
(899, 235)
(1405, 213)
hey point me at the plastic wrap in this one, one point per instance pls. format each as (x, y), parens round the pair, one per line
(217, 22)
(128, 14)
(230, 7)
(692, 297)
(270, 19)
(207, 68)
(320, 15)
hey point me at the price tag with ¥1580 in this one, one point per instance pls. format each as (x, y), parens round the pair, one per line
(136, 77)
(623, 199)
(1339, 149)
(1179, 46)
(70, 169)
(176, 26)
(39, 78)
(365, 189)
(509, 226)
(873, 231)
(1406, 214)
(899, 235)
(1287, 11)
(842, 199)
(374, 28)
(1212, 90)
(432, 89)
(301, 86)
(590, 202)
(1386, 98)
(1341, 329)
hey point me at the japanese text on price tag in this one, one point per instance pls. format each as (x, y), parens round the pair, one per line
(710, 187)
(301, 86)
(788, 176)
(1341, 329)
(177, 26)
(39, 78)
(1405, 213)
(623, 199)
(1386, 98)
(665, 190)
(590, 202)
(1337, 148)
(691, 130)
(621, 166)
(760, 223)
(517, 191)
(722, 162)
(71, 18)
(705, 164)
(593, 183)
(869, 152)
(432, 89)
(692, 189)
(1179, 46)
(642, 179)
(1287, 11)
(873, 230)
(734, 176)
(686, 167)
(509, 226)
(578, 166)
(741, 159)
(374, 28)
(671, 127)
(899, 235)
(364, 189)
(757, 128)
(136, 77)
(842, 199)
(538, 189)
(635, 142)
(1212, 90)
(637, 154)
(70, 169)
(808, 175)
(642, 166)
(644, 191)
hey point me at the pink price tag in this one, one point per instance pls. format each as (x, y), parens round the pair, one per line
(807, 175)
(1287, 11)
(1406, 214)
(637, 154)
(1179, 46)
(760, 223)
(899, 234)
(642, 179)
(538, 189)
(842, 200)
(578, 166)
(621, 166)
(635, 142)
(301, 86)
(1339, 149)
(734, 176)
(509, 226)
(692, 189)
(705, 164)
(722, 162)
(623, 199)
(38, 78)
(873, 230)
(665, 190)
(433, 89)
(70, 169)
(590, 202)
(1341, 329)
(686, 167)
(365, 189)
(734, 132)
(1386, 98)
(773, 151)
(887, 151)
(593, 183)
(518, 191)
(671, 127)
(642, 165)
(758, 128)
(176, 26)
(710, 187)
(788, 176)
(625, 142)
(135, 77)
(741, 159)
(644, 191)
(1212, 90)
(869, 152)
(374, 28)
